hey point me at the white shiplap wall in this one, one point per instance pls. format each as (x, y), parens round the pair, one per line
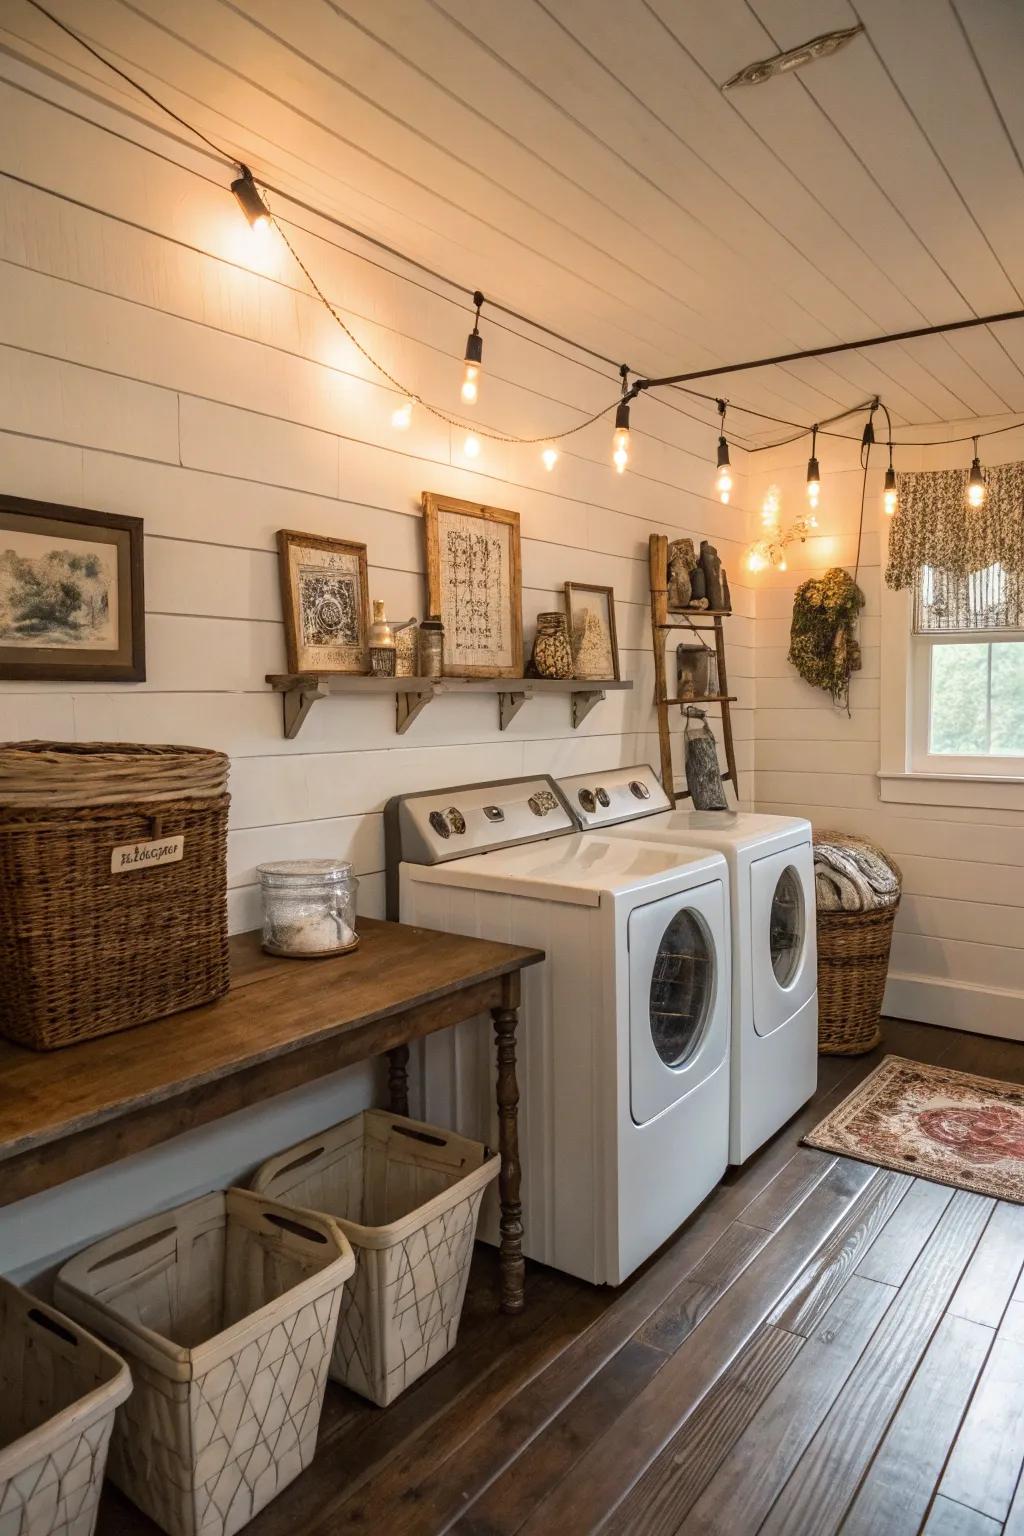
(958, 949)
(157, 360)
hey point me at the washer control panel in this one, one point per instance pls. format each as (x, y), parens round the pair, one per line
(450, 823)
(614, 795)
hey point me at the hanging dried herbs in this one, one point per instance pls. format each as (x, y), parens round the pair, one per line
(822, 642)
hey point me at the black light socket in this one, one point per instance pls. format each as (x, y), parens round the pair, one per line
(813, 472)
(249, 200)
(475, 348)
(622, 416)
(723, 452)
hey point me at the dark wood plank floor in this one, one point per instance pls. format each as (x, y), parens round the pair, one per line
(824, 1347)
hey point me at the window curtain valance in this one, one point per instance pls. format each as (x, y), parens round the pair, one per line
(964, 564)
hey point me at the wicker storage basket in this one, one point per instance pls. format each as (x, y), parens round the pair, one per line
(58, 1391)
(853, 962)
(225, 1309)
(407, 1196)
(85, 950)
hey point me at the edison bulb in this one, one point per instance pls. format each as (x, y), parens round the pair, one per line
(813, 492)
(469, 384)
(620, 449)
(889, 501)
(976, 494)
(471, 447)
(401, 416)
(550, 457)
(723, 484)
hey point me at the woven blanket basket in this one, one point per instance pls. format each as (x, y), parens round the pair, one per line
(59, 1388)
(225, 1310)
(90, 941)
(407, 1196)
(853, 963)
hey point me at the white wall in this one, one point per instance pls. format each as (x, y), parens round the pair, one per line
(158, 360)
(958, 949)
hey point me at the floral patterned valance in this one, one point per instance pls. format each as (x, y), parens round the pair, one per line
(934, 527)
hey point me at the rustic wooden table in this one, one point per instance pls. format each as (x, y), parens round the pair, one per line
(283, 1023)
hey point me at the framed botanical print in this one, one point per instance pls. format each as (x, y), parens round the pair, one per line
(72, 599)
(325, 601)
(590, 614)
(474, 581)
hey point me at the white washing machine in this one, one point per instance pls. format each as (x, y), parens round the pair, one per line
(774, 948)
(624, 1029)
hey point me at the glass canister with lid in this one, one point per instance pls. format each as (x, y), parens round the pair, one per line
(309, 907)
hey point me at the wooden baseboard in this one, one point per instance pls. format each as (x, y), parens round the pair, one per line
(955, 1005)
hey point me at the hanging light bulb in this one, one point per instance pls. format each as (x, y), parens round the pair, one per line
(890, 500)
(474, 356)
(976, 487)
(550, 457)
(249, 200)
(723, 480)
(620, 438)
(813, 474)
(771, 506)
(471, 447)
(401, 416)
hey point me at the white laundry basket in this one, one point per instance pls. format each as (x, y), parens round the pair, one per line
(407, 1196)
(225, 1309)
(59, 1388)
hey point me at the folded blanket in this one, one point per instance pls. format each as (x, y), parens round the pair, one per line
(852, 875)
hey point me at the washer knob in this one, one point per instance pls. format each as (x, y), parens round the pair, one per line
(587, 800)
(456, 820)
(603, 797)
(638, 788)
(439, 822)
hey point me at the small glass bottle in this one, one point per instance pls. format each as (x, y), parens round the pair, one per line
(432, 646)
(382, 643)
(309, 907)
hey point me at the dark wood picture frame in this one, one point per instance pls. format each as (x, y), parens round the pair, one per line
(357, 662)
(71, 663)
(609, 594)
(433, 506)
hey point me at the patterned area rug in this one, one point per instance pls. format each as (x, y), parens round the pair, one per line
(938, 1124)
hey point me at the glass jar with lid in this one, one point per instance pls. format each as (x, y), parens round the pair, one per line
(309, 907)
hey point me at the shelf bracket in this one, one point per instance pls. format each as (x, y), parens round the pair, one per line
(582, 704)
(409, 705)
(298, 701)
(509, 705)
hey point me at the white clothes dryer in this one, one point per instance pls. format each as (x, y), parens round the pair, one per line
(624, 1032)
(775, 964)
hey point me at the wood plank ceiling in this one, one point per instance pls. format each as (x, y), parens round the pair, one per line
(578, 160)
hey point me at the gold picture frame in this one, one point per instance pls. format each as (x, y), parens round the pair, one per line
(474, 581)
(325, 602)
(599, 601)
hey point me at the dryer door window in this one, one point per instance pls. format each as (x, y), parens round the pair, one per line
(682, 988)
(786, 926)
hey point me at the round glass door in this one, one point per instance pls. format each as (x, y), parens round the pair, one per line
(682, 988)
(786, 926)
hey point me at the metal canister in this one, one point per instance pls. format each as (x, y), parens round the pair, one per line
(431, 640)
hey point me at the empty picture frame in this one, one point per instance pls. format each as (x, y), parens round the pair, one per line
(590, 612)
(325, 602)
(474, 581)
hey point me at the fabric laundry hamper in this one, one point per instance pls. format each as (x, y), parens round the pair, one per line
(858, 889)
(113, 886)
(225, 1310)
(407, 1196)
(59, 1388)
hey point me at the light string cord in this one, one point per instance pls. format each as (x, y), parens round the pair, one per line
(232, 160)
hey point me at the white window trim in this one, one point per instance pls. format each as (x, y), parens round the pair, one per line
(899, 780)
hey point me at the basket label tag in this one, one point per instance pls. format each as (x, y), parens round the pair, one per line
(164, 850)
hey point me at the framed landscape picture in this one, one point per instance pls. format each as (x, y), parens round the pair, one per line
(590, 612)
(474, 581)
(325, 602)
(72, 600)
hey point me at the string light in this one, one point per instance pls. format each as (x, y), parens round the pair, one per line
(976, 487)
(723, 480)
(474, 356)
(620, 438)
(890, 499)
(471, 447)
(550, 457)
(813, 472)
(401, 416)
(249, 200)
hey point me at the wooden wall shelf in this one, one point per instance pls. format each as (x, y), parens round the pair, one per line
(301, 691)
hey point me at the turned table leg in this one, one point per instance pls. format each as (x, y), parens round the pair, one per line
(513, 1268)
(398, 1080)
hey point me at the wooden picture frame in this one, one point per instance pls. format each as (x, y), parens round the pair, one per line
(72, 594)
(606, 615)
(325, 603)
(475, 582)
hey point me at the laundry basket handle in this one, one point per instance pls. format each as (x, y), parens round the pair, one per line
(294, 1228)
(44, 1320)
(431, 1139)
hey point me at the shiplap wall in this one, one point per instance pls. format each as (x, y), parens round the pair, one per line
(958, 948)
(161, 360)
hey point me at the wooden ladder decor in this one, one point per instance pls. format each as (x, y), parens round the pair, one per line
(661, 624)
